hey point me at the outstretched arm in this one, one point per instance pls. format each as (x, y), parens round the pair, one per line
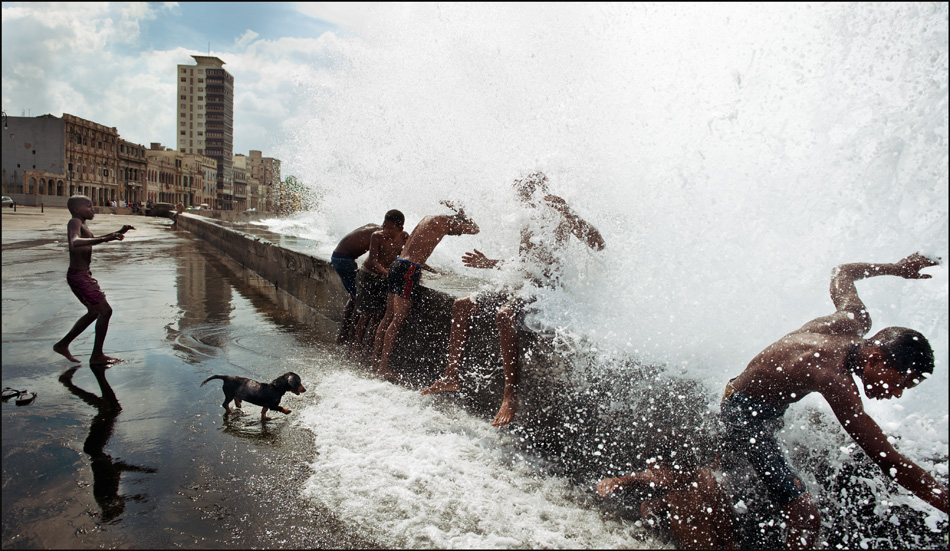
(851, 316)
(845, 294)
(579, 227)
(849, 410)
(478, 259)
(657, 477)
(75, 239)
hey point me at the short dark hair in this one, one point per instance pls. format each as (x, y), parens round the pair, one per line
(73, 202)
(908, 349)
(396, 217)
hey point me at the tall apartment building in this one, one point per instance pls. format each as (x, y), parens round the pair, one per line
(205, 121)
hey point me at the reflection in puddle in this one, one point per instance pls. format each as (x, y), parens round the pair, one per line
(106, 471)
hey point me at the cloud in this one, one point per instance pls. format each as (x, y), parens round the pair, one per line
(93, 61)
(245, 39)
(351, 15)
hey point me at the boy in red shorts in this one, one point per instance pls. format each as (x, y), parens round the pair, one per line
(82, 283)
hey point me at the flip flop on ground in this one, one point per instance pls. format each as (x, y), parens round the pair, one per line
(25, 398)
(11, 393)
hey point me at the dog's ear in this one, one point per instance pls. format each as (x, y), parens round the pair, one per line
(290, 379)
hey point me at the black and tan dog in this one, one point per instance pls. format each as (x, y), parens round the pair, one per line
(266, 395)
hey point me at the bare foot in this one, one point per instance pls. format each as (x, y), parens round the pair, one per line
(443, 385)
(104, 360)
(509, 406)
(63, 350)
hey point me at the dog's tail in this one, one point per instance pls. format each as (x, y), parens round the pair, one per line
(211, 378)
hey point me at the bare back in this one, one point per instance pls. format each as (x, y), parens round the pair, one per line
(356, 243)
(429, 233)
(815, 356)
(798, 364)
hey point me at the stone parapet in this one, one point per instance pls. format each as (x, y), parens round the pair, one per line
(578, 410)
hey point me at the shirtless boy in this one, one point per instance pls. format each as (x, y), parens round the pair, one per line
(352, 246)
(538, 253)
(826, 355)
(80, 280)
(385, 244)
(404, 274)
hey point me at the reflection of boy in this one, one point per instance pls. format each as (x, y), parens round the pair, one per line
(371, 289)
(539, 253)
(405, 273)
(352, 246)
(824, 356)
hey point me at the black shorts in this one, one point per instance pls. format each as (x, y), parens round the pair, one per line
(748, 430)
(490, 302)
(371, 292)
(404, 279)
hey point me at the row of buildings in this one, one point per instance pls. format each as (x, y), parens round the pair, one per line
(47, 159)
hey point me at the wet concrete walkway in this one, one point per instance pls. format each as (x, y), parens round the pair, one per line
(167, 469)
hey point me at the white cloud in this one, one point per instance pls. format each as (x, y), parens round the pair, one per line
(352, 15)
(82, 59)
(245, 39)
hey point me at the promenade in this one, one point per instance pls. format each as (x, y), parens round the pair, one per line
(166, 470)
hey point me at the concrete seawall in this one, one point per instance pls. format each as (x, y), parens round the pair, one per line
(584, 414)
(579, 419)
(420, 353)
(572, 414)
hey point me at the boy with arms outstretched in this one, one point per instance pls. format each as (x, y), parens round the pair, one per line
(81, 282)
(540, 254)
(826, 355)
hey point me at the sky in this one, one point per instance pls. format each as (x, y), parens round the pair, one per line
(114, 63)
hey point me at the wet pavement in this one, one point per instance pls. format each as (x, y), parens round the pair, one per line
(166, 468)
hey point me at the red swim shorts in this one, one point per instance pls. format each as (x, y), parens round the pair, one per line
(85, 287)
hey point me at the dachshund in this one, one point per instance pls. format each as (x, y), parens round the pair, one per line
(266, 395)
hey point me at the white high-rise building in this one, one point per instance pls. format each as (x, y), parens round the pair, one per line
(205, 122)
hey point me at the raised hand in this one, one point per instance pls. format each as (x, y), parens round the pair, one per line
(478, 259)
(910, 267)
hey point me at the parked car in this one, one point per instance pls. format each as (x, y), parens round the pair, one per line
(7, 201)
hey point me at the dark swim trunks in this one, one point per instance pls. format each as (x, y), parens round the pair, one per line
(346, 268)
(371, 292)
(749, 429)
(404, 278)
(490, 302)
(84, 287)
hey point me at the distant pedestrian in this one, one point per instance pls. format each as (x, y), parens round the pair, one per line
(80, 280)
